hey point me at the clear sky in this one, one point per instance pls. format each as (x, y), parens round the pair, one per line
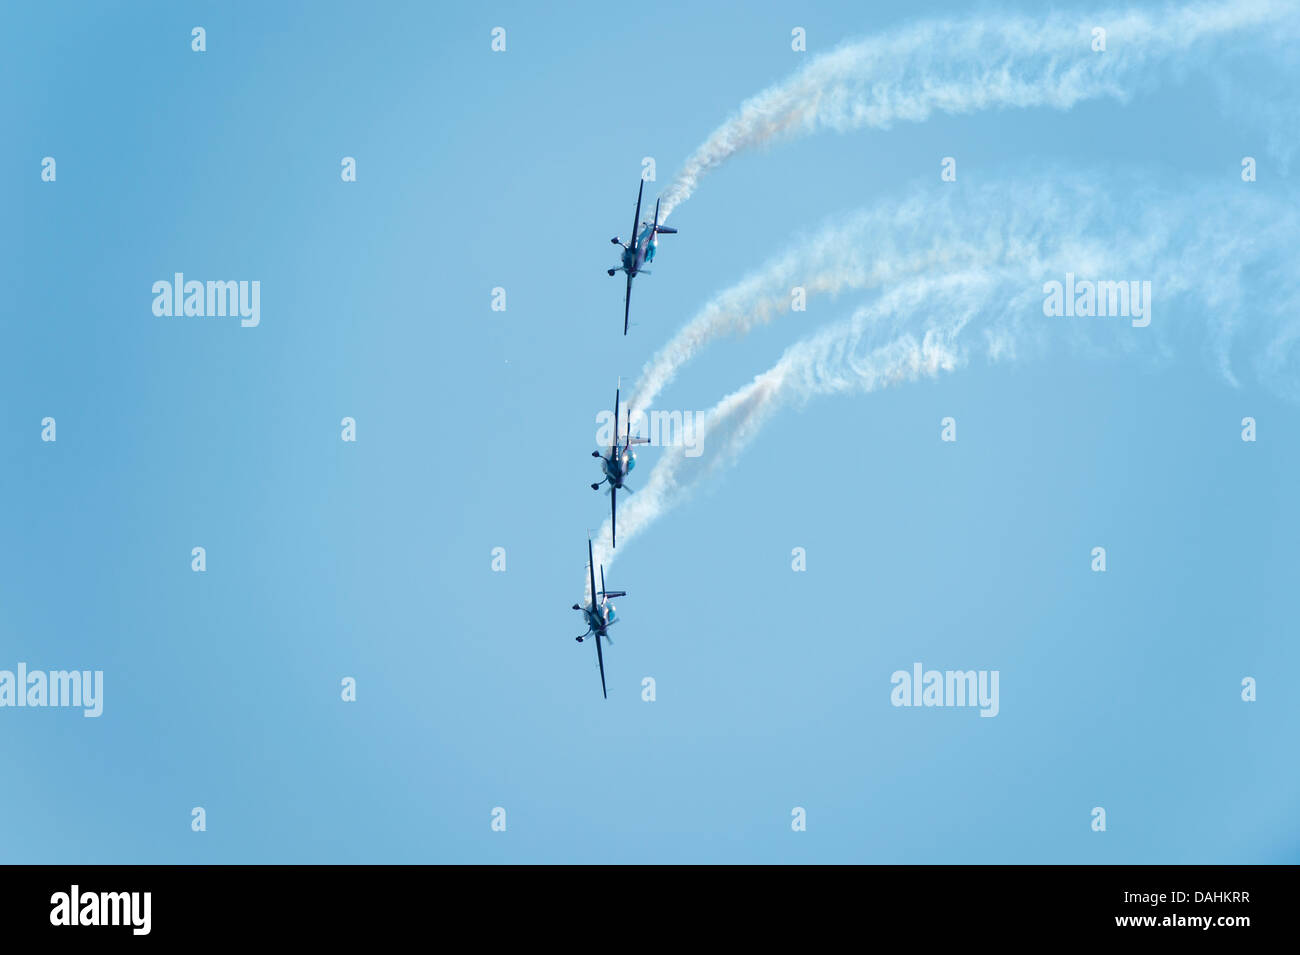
(373, 559)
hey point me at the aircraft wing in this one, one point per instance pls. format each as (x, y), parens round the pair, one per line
(636, 219)
(600, 658)
(627, 301)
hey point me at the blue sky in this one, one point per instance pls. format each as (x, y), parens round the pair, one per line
(372, 559)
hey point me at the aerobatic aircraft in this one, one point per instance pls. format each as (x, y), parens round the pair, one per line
(640, 252)
(617, 464)
(600, 614)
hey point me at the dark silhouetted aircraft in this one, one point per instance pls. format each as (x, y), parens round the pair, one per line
(599, 613)
(617, 464)
(641, 251)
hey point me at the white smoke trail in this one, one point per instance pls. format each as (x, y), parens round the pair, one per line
(984, 224)
(1226, 255)
(866, 250)
(961, 66)
(863, 251)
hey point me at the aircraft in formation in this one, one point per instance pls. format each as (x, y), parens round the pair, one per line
(640, 252)
(620, 460)
(599, 611)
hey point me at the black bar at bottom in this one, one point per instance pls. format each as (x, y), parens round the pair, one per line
(373, 903)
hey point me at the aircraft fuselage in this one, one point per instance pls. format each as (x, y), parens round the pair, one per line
(640, 252)
(618, 465)
(600, 616)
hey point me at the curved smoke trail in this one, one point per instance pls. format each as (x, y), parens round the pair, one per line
(868, 249)
(865, 250)
(1203, 251)
(961, 66)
